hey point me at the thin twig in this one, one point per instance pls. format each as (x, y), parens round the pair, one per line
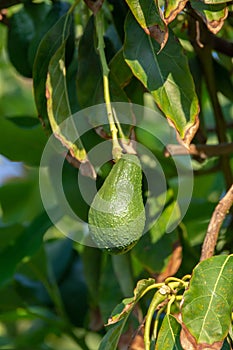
(202, 151)
(205, 56)
(215, 224)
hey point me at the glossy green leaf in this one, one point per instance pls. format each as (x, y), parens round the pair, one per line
(150, 19)
(213, 15)
(24, 246)
(207, 307)
(166, 75)
(28, 142)
(169, 334)
(120, 315)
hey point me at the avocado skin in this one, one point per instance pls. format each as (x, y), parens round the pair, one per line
(117, 215)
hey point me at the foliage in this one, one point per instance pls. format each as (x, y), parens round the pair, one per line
(174, 57)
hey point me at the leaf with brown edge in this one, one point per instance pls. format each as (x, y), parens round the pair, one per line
(166, 75)
(126, 306)
(172, 9)
(150, 18)
(207, 303)
(212, 15)
(188, 342)
(94, 5)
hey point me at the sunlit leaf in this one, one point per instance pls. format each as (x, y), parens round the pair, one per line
(165, 75)
(206, 311)
(169, 334)
(172, 8)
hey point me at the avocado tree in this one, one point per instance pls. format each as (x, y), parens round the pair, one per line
(118, 232)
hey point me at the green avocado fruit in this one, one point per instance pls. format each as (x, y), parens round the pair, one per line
(117, 215)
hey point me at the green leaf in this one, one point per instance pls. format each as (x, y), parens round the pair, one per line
(16, 198)
(223, 79)
(23, 246)
(172, 9)
(166, 75)
(169, 334)
(47, 48)
(207, 307)
(120, 315)
(89, 77)
(213, 15)
(216, 2)
(156, 248)
(111, 338)
(92, 259)
(149, 19)
(21, 142)
(58, 106)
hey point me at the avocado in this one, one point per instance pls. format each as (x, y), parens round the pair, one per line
(117, 215)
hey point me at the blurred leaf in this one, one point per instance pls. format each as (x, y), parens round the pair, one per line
(54, 251)
(150, 19)
(223, 79)
(16, 199)
(48, 19)
(73, 291)
(24, 246)
(156, 248)
(107, 284)
(212, 15)
(20, 33)
(169, 334)
(206, 311)
(166, 75)
(92, 261)
(28, 141)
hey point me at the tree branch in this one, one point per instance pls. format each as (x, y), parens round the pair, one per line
(203, 50)
(201, 151)
(215, 224)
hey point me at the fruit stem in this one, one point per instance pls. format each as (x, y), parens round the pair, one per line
(116, 150)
